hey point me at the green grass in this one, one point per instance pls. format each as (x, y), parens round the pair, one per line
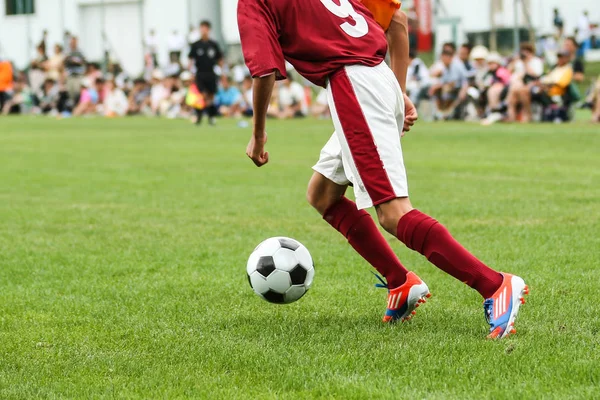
(122, 265)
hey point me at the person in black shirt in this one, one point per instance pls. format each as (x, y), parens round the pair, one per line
(572, 46)
(206, 54)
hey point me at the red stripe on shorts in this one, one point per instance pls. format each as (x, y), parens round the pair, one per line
(360, 139)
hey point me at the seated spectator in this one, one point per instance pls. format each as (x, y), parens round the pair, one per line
(20, 100)
(571, 46)
(320, 108)
(37, 69)
(553, 86)
(186, 82)
(477, 97)
(158, 91)
(247, 104)
(228, 98)
(55, 64)
(437, 68)
(89, 99)
(526, 70)
(292, 99)
(139, 97)
(479, 55)
(115, 102)
(451, 90)
(495, 88)
(171, 106)
(48, 98)
(464, 55)
(75, 67)
(6, 82)
(417, 79)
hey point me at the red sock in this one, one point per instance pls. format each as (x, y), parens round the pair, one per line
(364, 236)
(425, 235)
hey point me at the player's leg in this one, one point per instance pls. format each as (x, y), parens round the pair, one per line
(369, 106)
(357, 226)
(361, 110)
(503, 293)
(427, 236)
(362, 101)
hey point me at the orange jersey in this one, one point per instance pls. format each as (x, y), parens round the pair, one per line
(6, 76)
(382, 10)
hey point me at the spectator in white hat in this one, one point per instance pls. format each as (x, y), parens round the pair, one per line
(115, 102)
(479, 55)
(496, 85)
(158, 91)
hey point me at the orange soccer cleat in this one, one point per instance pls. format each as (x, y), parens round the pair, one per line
(404, 300)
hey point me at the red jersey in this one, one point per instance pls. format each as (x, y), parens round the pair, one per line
(317, 37)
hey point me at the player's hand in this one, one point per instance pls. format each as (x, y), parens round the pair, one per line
(410, 114)
(256, 150)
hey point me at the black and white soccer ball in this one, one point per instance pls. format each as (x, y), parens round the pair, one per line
(280, 270)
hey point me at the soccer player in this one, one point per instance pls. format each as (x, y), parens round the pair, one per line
(338, 45)
(206, 54)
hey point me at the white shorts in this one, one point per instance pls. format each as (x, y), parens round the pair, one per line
(367, 108)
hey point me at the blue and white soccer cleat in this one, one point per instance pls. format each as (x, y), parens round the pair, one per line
(403, 301)
(502, 308)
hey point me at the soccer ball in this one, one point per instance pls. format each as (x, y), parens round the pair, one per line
(280, 270)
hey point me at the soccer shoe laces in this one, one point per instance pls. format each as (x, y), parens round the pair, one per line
(487, 308)
(383, 283)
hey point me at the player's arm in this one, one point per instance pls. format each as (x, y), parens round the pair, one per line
(262, 88)
(264, 58)
(397, 37)
(398, 43)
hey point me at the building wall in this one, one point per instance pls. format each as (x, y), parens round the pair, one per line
(475, 15)
(126, 22)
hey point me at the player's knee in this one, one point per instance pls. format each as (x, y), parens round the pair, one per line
(388, 221)
(317, 199)
(323, 193)
(390, 213)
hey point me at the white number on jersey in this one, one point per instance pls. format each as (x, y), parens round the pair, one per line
(345, 10)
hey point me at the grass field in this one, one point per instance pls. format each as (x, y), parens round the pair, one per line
(122, 266)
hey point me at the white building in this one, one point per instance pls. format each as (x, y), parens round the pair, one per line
(125, 22)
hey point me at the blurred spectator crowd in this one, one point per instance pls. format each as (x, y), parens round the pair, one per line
(545, 81)
(541, 83)
(63, 83)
